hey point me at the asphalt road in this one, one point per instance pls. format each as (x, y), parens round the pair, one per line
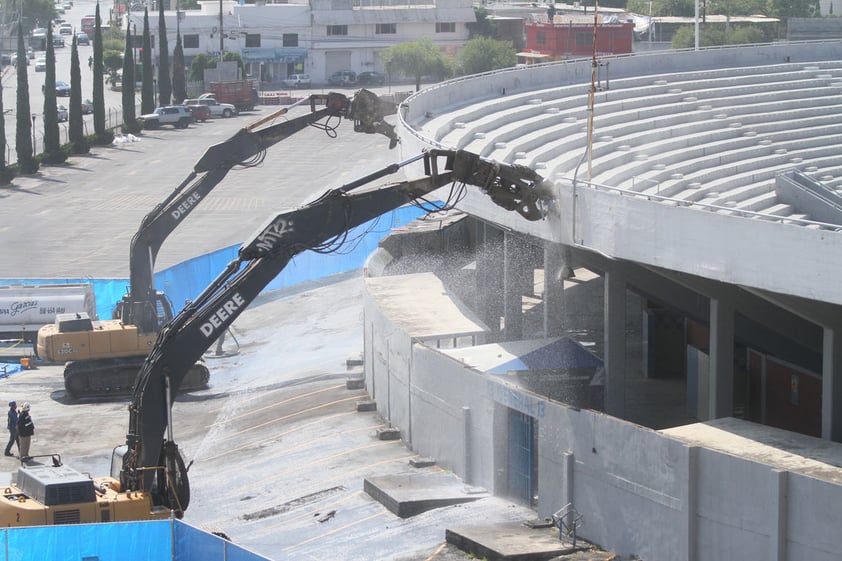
(98, 200)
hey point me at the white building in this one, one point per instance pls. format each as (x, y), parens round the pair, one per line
(318, 37)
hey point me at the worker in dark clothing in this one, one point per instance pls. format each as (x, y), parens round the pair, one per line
(26, 428)
(12, 425)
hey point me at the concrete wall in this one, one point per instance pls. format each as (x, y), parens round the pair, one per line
(640, 492)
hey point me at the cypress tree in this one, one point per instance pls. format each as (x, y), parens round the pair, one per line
(129, 112)
(78, 142)
(147, 94)
(23, 131)
(179, 86)
(164, 84)
(5, 173)
(99, 92)
(52, 141)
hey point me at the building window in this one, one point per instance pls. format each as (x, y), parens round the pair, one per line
(541, 38)
(191, 41)
(337, 30)
(290, 39)
(252, 39)
(443, 27)
(386, 29)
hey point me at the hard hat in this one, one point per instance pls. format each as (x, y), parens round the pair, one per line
(26, 406)
(13, 404)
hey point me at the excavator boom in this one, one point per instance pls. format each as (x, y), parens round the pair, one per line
(315, 226)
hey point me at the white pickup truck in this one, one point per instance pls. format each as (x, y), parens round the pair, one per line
(217, 109)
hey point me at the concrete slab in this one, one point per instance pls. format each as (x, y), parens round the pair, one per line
(772, 446)
(441, 316)
(509, 542)
(408, 495)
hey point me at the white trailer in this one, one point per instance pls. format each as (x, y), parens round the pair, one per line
(26, 308)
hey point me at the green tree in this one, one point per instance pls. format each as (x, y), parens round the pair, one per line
(416, 59)
(794, 8)
(147, 93)
(101, 135)
(229, 56)
(197, 67)
(483, 54)
(53, 153)
(717, 35)
(78, 142)
(179, 87)
(130, 124)
(484, 26)
(164, 84)
(34, 13)
(23, 130)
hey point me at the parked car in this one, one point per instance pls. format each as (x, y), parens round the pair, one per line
(62, 112)
(176, 115)
(297, 81)
(62, 89)
(217, 109)
(83, 39)
(200, 111)
(342, 78)
(371, 78)
(87, 106)
(41, 64)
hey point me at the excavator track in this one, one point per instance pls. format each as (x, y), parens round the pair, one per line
(115, 377)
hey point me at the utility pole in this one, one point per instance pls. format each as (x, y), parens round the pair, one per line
(221, 33)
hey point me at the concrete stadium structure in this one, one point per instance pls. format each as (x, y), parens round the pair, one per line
(693, 249)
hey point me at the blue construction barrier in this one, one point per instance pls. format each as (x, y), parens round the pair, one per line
(155, 540)
(188, 279)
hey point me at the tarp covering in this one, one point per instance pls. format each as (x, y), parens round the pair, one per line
(186, 280)
(125, 541)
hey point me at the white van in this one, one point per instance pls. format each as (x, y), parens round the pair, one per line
(297, 81)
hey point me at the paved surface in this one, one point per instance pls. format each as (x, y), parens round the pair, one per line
(97, 201)
(280, 452)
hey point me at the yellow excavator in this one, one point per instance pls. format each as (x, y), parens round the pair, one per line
(148, 474)
(102, 358)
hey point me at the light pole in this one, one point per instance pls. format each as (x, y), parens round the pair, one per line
(221, 34)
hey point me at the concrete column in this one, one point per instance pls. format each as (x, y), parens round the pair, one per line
(489, 277)
(554, 268)
(515, 267)
(778, 516)
(691, 504)
(614, 308)
(466, 433)
(567, 490)
(721, 402)
(831, 387)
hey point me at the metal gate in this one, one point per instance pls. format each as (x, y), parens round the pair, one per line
(522, 456)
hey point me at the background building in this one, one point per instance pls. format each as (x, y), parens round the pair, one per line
(316, 38)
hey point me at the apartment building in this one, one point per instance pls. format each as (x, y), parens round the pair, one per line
(318, 37)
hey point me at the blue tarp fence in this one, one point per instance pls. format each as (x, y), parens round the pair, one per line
(186, 280)
(155, 540)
